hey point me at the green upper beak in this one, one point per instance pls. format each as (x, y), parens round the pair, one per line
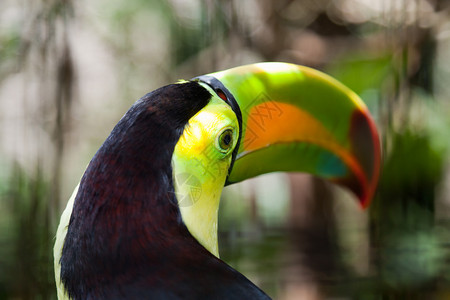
(297, 119)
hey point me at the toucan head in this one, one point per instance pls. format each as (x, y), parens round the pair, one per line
(270, 117)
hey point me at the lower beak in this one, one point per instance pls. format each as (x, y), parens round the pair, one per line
(296, 119)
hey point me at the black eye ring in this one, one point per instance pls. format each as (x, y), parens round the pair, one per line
(225, 140)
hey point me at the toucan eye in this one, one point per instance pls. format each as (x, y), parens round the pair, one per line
(225, 140)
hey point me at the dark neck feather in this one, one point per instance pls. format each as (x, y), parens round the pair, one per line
(125, 216)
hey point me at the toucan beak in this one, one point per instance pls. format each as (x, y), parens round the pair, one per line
(297, 119)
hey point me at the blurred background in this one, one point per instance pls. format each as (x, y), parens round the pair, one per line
(70, 69)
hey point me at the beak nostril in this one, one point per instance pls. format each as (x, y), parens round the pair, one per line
(222, 95)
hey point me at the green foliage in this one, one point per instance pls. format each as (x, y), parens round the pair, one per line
(362, 72)
(410, 174)
(410, 248)
(26, 238)
(196, 34)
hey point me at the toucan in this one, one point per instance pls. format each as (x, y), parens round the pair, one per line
(142, 222)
